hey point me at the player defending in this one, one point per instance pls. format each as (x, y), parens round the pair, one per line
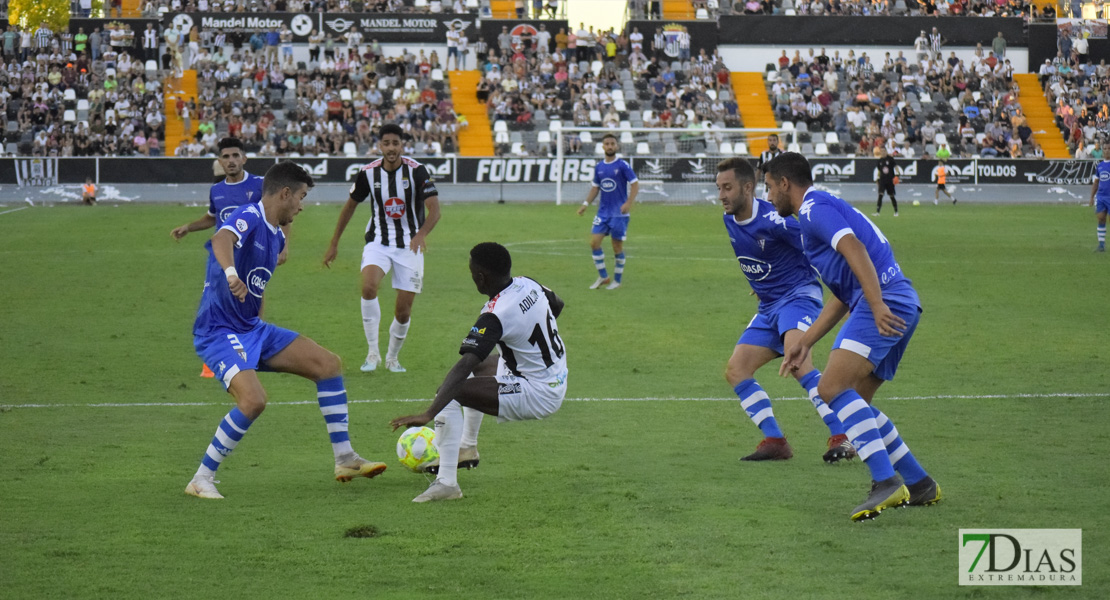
(236, 189)
(229, 335)
(528, 380)
(399, 189)
(619, 187)
(1100, 199)
(856, 263)
(886, 178)
(769, 249)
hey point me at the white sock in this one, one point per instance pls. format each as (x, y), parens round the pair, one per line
(449, 426)
(472, 422)
(371, 316)
(397, 333)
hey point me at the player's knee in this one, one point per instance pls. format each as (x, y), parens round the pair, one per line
(828, 388)
(402, 314)
(369, 291)
(735, 373)
(330, 365)
(253, 405)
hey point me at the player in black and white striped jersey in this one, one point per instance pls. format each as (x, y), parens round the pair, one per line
(766, 156)
(405, 208)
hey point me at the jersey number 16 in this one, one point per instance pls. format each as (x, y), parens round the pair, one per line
(540, 341)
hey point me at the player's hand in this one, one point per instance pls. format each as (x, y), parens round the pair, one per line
(417, 245)
(582, 209)
(410, 421)
(237, 287)
(180, 232)
(793, 358)
(330, 255)
(626, 208)
(284, 256)
(889, 324)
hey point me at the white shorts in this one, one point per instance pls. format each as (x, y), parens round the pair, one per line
(407, 265)
(521, 399)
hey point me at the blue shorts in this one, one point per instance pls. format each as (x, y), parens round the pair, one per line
(767, 330)
(1102, 205)
(228, 353)
(860, 335)
(615, 227)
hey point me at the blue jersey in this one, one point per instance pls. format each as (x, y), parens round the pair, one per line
(825, 220)
(769, 250)
(256, 255)
(225, 197)
(1102, 172)
(613, 179)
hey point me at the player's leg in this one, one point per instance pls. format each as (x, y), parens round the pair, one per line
(838, 447)
(893, 199)
(375, 264)
(879, 201)
(618, 233)
(597, 234)
(746, 359)
(306, 358)
(1100, 231)
(478, 393)
(936, 193)
(472, 422)
(408, 280)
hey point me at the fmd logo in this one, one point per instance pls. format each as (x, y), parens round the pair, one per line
(1021, 557)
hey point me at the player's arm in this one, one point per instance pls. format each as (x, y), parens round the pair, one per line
(477, 345)
(418, 241)
(633, 190)
(796, 355)
(855, 254)
(208, 220)
(1094, 190)
(223, 248)
(589, 199)
(555, 301)
(345, 215)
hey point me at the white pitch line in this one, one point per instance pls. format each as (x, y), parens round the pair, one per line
(648, 399)
(14, 210)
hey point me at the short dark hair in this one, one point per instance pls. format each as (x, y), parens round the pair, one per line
(610, 135)
(740, 167)
(791, 165)
(285, 174)
(230, 142)
(393, 128)
(493, 258)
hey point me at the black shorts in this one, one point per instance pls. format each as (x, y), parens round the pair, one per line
(886, 186)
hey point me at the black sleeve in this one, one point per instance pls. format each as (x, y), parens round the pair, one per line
(360, 189)
(425, 185)
(483, 337)
(555, 302)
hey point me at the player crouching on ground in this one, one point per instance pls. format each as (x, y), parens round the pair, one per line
(528, 380)
(230, 336)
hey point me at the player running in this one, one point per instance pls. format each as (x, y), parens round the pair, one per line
(230, 336)
(856, 263)
(619, 186)
(769, 249)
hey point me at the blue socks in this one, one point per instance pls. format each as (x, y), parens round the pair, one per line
(332, 396)
(900, 455)
(618, 269)
(809, 383)
(757, 404)
(227, 437)
(863, 431)
(599, 262)
(1101, 230)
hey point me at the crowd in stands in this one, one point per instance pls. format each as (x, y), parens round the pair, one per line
(593, 78)
(1079, 92)
(83, 94)
(939, 8)
(926, 104)
(332, 104)
(152, 8)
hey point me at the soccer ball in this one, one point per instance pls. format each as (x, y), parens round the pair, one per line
(416, 447)
(917, 203)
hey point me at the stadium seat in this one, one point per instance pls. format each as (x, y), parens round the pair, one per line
(595, 116)
(670, 148)
(437, 74)
(410, 84)
(585, 137)
(741, 149)
(345, 94)
(599, 149)
(500, 127)
(518, 149)
(647, 115)
(595, 67)
(70, 95)
(618, 95)
(350, 150)
(420, 4)
(788, 125)
(384, 84)
(543, 137)
(626, 125)
(554, 125)
(831, 137)
(471, 5)
(941, 139)
(794, 147)
(501, 137)
(397, 94)
(642, 148)
(726, 148)
(821, 149)
(83, 104)
(151, 67)
(620, 106)
(712, 94)
(701, 14)
(291, 84)
(109, 71)
(626, 137)
(69, 116)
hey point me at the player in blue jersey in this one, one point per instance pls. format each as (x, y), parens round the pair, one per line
(856, 263)
(1100, 199)
(229, 335)
(237, 188)
(618, 186)
(769, 250)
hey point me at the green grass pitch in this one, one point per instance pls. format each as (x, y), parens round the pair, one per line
(637, 494)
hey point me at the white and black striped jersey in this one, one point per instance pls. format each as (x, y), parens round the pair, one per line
(765, 157)
(520, 321)
(397, 199)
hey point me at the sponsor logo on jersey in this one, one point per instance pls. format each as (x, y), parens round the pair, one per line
(753, 268)
(508, 388)
(226, 212)
(394, 208)
(241, 225)
(608, 185)
(405, 183)
(256, 281)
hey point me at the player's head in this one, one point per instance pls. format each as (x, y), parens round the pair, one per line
(610, 145)
(286, 184)
(391, 141)
(490, 267)
(735, 186)
(773, 141)
(231, 156)
(787, 176)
